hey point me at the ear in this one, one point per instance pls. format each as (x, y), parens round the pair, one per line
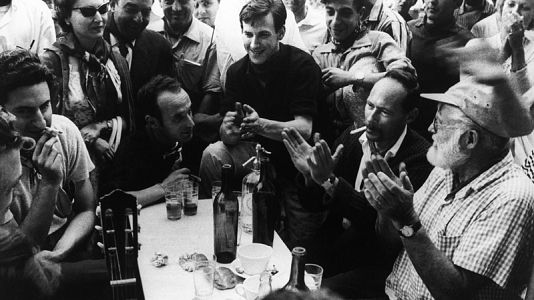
(412, 115)
(152, 122)
(281, 33)
(469, 139)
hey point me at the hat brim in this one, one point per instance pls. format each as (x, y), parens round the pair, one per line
(441, 97)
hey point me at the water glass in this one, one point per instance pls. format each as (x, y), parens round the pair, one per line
(215, 188)
(313, 276)
(245, 212)
(203, 276)
(190, 196)
(174, 200)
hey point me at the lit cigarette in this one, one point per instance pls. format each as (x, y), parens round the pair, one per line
(52, 132)
(358, 130)
(192, 62)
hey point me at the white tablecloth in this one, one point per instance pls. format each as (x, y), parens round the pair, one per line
(187, 235)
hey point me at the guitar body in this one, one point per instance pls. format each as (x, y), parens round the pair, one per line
(118, 216)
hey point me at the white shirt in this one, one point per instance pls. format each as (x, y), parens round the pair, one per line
(27, 23)
(129, 46)
(392, 152)
(313, 28)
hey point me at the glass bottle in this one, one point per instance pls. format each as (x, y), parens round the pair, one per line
(296, 277)
(225, 217)
(247, 187)
(264, 204)
(265, 284)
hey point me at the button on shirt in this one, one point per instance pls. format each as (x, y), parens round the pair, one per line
(367, 155)
(195, 58)
(486, 228)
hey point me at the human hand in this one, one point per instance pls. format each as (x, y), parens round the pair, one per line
(390, 195)
(322, 163)
(53, 256)
(336, 78)
(48, 160)
(91, 132)
(252, 123)
(299, 150)
(229, 128)
(175, 176)
(513, 30)
(480, 61)
(103, 149)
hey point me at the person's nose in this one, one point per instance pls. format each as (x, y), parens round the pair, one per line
(254, 42)
(371, 116)
(432, 128)
(176, 6)
(39, 120)
(191, 123)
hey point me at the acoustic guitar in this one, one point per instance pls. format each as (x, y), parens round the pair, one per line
(118, 216)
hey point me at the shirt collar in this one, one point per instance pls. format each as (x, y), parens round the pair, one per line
(361, 41)
(374, 15)
(114, 41)
(392, 152)
(310, 19)
(192, 33)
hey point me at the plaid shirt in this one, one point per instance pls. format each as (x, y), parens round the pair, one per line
(486, 229)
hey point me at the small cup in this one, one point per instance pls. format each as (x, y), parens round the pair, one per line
(173, 200)
(215, 188)
(313, 276)
(203, 276)
(249, 288)
(254, 257)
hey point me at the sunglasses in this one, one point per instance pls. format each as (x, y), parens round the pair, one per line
(90, 11)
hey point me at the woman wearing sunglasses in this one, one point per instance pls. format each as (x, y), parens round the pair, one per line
(93, 86)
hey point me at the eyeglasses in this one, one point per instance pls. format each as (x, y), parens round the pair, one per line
(438, 124)
(90, 11)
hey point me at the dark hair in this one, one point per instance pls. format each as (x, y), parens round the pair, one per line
(9, 137)
(147, 97)
(64, 11)
(409, 82)
(357, 4)
(256, 9)
(19, 68)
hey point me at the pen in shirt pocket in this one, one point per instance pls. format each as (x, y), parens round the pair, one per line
(192, 62)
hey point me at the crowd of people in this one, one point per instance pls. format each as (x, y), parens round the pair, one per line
(400, 132)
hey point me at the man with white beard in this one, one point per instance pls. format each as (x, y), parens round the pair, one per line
(467, 233)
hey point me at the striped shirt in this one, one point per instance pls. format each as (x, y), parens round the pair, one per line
(385, 19)
(486, 229)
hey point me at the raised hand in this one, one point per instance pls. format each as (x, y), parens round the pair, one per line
(322, 163)
(299, 150)
(390, 195)
(252, 122)
(48, 160)
(175, 176)
(103, 149)
(91, 132)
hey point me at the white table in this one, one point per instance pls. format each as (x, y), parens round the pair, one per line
(187, 235)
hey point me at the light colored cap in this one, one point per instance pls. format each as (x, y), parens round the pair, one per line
(495, 108)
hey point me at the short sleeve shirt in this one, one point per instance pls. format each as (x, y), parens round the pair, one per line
(486, 228)
(195, 58)
(292, 88)
(76, 166)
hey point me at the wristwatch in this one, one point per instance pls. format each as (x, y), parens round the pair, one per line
(407, 231)
(329, 183)
(359, 77)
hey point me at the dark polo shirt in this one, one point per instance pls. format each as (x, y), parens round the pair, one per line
(292, 84)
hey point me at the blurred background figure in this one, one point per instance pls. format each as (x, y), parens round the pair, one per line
(206, 11)
(310, 21)
(472, 11)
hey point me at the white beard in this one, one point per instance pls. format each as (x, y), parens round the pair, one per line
(447, 154)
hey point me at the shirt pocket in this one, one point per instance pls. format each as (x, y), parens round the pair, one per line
(190, 74)
(447, 244)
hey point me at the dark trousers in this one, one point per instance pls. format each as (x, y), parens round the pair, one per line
(360, 283)
(84, 280)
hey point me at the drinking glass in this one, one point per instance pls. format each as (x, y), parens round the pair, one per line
(203, 276)
(190, 194)
(239, 197)
(173, 200)
(313, 276)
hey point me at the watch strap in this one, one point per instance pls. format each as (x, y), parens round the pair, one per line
(407, 231)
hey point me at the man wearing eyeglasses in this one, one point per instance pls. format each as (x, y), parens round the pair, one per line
(26, 24)
(147, 52)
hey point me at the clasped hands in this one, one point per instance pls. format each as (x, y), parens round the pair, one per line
(244, 122)
(389, 195)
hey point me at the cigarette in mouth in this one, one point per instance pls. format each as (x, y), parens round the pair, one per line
(358, 130)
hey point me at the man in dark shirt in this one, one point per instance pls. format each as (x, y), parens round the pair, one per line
(435, 31)
(148, 160)
(277, 85)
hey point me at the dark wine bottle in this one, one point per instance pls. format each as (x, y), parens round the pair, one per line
(296, 277)
(264, 205)
(225, 217)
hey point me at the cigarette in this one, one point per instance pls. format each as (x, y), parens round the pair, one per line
(192, 62)
(52, 132)
(358, 130)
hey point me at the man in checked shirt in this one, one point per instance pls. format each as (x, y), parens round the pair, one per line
(467, 233)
